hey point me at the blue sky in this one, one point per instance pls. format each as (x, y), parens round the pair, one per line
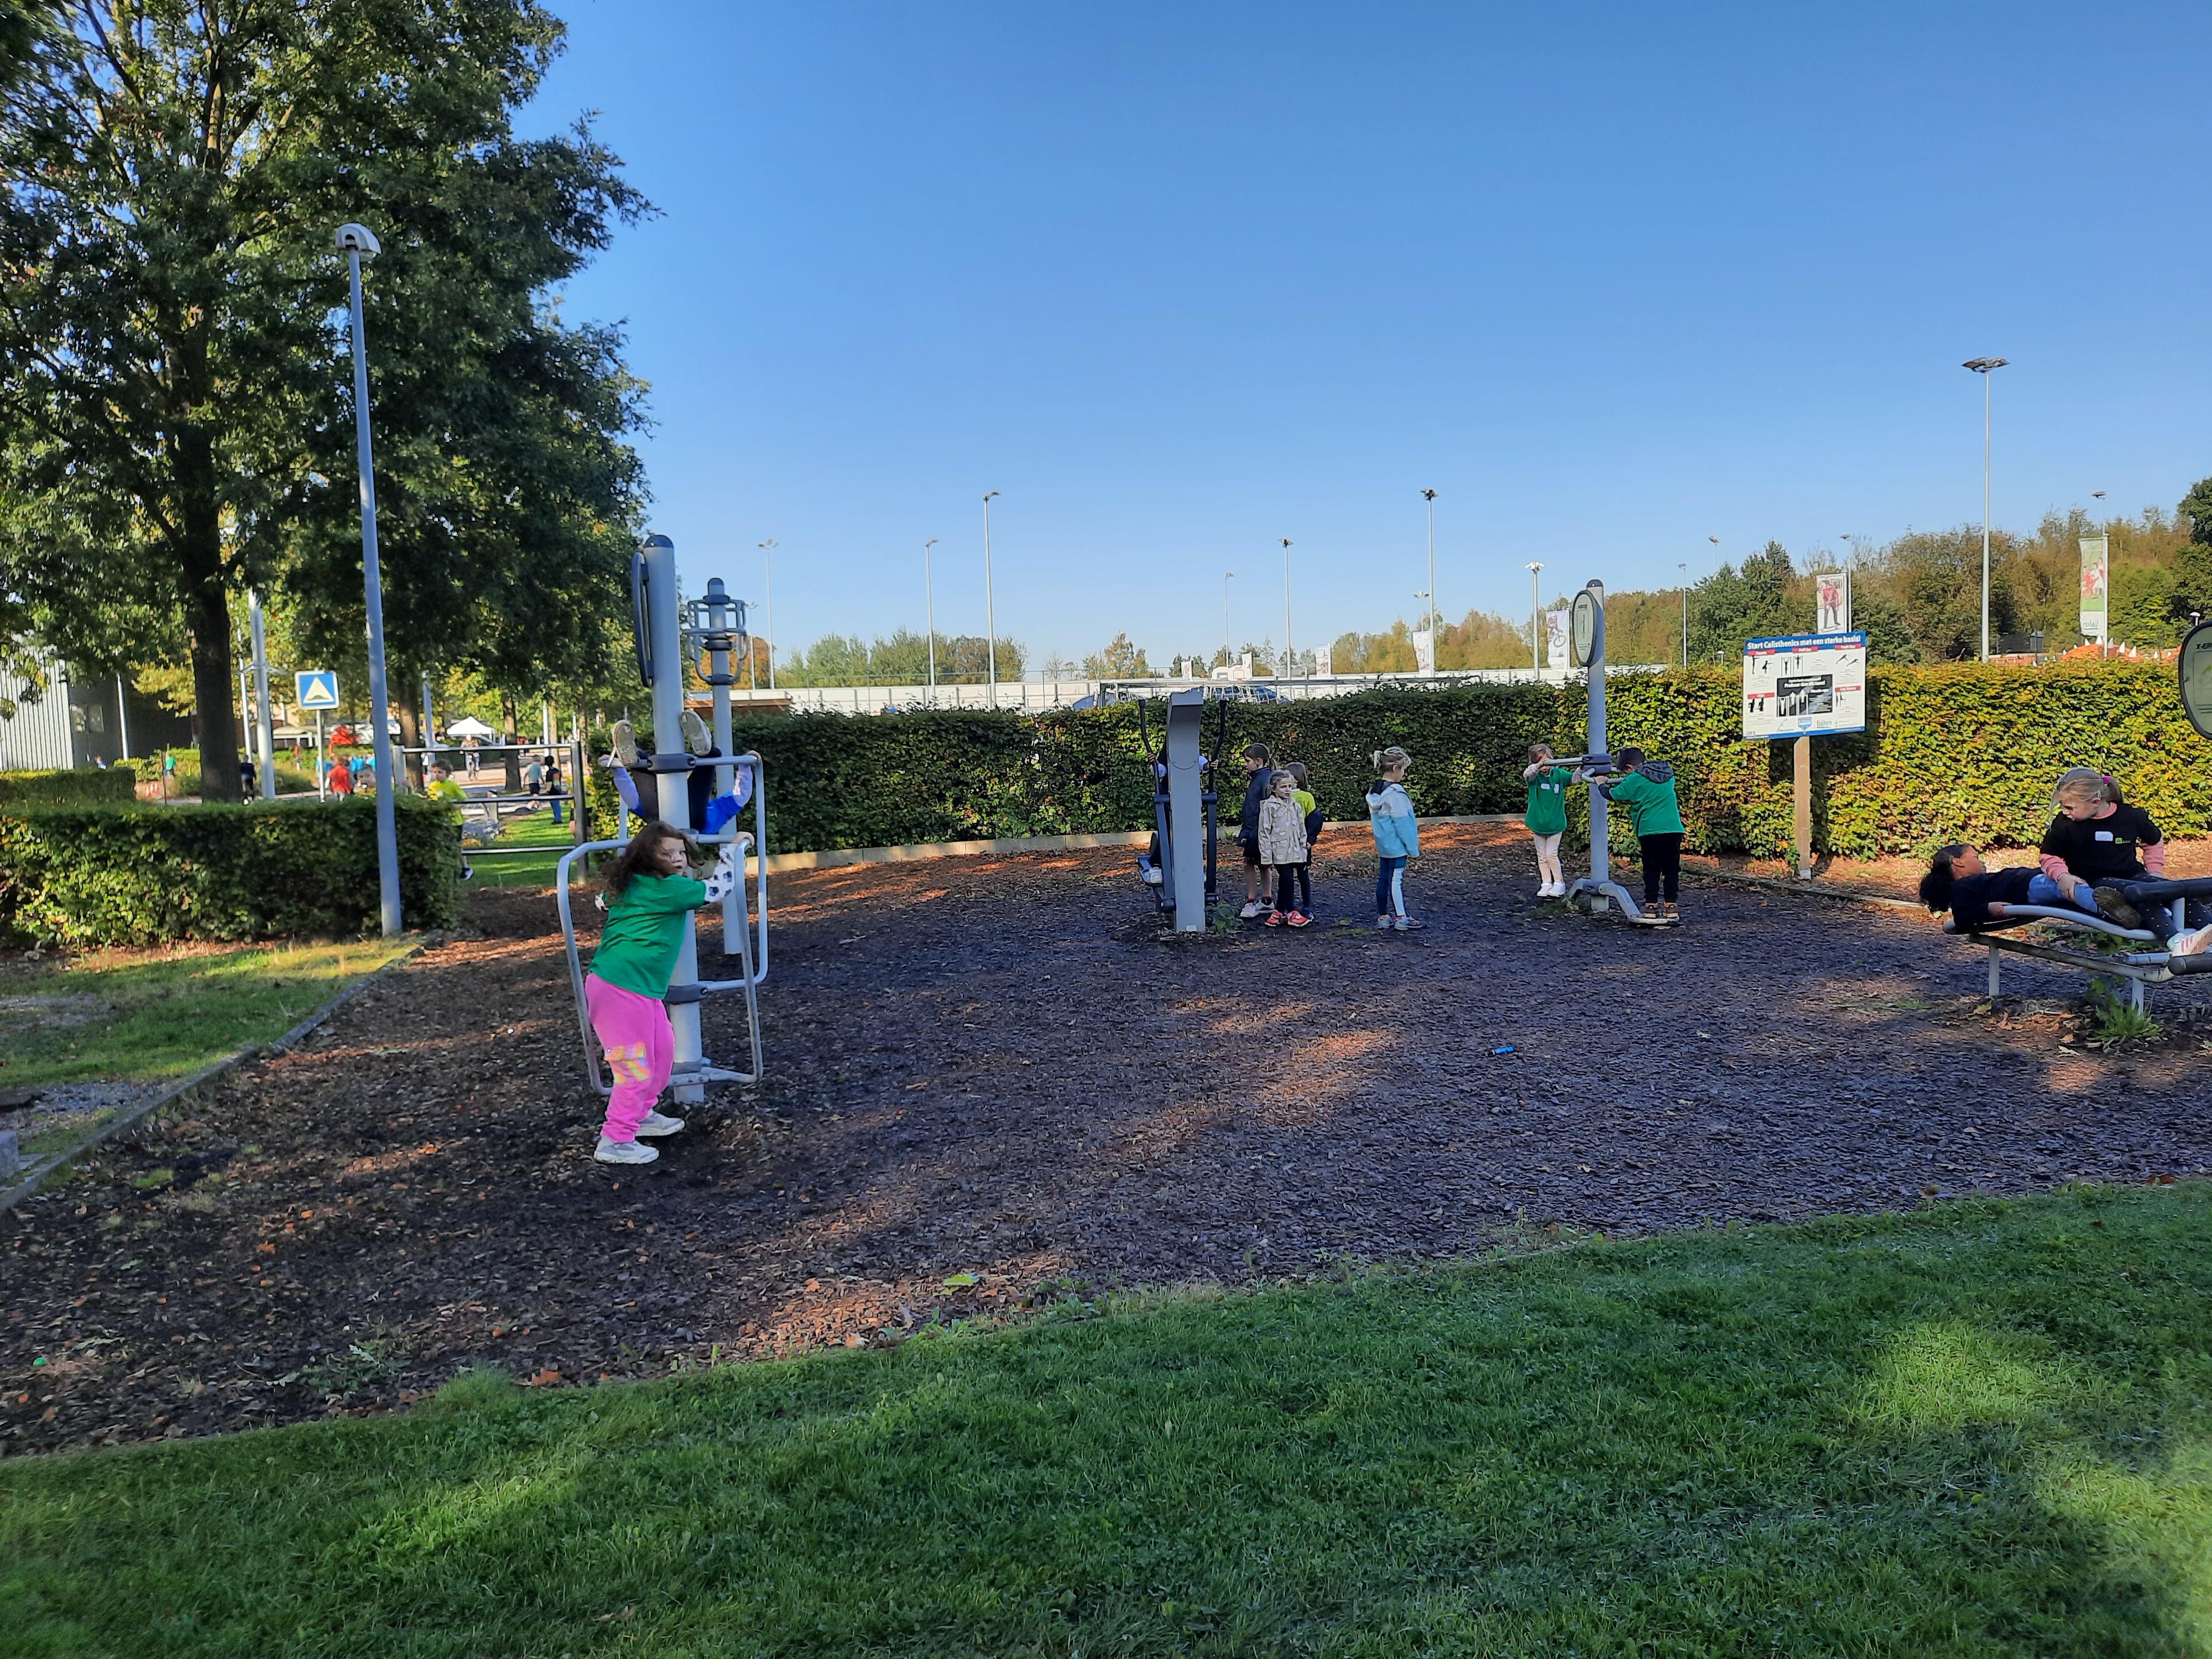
(1182, 279)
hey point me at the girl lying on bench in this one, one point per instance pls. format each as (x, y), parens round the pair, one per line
(1979, 896)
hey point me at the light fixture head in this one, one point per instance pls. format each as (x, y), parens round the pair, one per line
(358, 239)
(2096, 495)
(988, 494)
(1984, 365)
(1429, 494)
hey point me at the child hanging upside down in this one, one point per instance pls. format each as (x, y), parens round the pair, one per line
(1977, 896)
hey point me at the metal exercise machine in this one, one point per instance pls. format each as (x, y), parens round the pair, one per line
(717, 628)
(1183, 799)
(2152, 966)
(1597, 893)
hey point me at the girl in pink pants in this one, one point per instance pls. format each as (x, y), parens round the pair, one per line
(650, 892)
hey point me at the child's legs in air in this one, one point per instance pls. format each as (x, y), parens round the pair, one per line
(640, 1050)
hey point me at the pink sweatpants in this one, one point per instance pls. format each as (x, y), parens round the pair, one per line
(641, 1049)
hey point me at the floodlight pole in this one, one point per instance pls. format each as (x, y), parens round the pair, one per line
(929, 614)
(1227, 576)
(355, 240)
(990, 609)
(1536, 615)
(768, 602)
(1286, 541)
(1429, 495)
(1683, 565)
(1983, 366)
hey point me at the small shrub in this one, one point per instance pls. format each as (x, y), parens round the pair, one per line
(85, 785)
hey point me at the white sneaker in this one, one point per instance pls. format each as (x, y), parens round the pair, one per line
(624, 1152)
(625, 745)
(2195, 942)
(1153, 875)
(1382, 922)
(655, 1124)
(1249, 912)
(696, 738)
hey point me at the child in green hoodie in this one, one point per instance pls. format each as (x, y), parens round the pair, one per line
(1646, 788)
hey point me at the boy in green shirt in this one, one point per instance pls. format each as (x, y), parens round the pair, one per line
(1646, 788)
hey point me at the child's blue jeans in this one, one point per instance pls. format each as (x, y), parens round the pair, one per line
(2156, 918)
(1390, 888)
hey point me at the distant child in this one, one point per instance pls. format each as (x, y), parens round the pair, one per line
(1260, 773)
(341, 778)
(1283, 849)
(650, 890)
(1397, 835)
(1646, 788)
(1305, 797)
(1546, 816)
(2099, 839)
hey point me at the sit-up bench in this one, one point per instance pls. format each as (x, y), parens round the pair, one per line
(2151, 964)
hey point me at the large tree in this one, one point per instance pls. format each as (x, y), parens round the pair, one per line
(175, 418)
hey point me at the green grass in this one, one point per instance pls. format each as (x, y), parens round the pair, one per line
(1974, 1430)
(534, 829)
(161, 1017)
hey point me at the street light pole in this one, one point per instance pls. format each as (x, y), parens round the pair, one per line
(1226, 577)
(1536, 615)
(768, 603)
(929, 613)
(1287, 658)
(1683, 565)
(990, 613)
(1429, 495)
(264, 744)
(1984, 366)
(355, 241)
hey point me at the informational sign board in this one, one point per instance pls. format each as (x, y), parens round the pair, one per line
(1809, 685)
(2197, 677)
(1831, 593)
(318, 688)
(1555, 639)
(1322, 666)
(2096, 573)
(1424, 652)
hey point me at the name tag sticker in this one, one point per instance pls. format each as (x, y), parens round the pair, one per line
(2104, 835)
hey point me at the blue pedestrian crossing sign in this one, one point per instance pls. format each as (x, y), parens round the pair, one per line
(319, 687)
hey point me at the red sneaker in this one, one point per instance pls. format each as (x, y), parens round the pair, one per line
(1275, 918)
(1298, 919)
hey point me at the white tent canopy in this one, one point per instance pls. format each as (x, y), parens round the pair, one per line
(469, 726)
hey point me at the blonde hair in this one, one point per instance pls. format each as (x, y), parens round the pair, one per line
(1541, 751)
(1387, 759)
(2086, 783)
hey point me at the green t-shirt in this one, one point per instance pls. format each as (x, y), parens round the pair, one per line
(1651, 804)
(644, 932)
(1547, 802)
(445, 789)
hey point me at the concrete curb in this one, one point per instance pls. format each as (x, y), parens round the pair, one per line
(35, 1174)
(840, 856)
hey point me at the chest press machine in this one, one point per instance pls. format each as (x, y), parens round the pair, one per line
(716, 629)
(1597, 893)
(1182, 868)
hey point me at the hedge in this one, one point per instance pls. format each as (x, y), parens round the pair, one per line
(143, 875)
(1964, 751)
(87, 786)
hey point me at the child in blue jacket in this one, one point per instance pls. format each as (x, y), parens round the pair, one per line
(1397, 835)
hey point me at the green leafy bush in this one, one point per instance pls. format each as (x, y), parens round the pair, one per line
(86, 786)
(140, 875)
(1959, 751)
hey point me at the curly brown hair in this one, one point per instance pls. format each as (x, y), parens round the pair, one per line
(636, 859)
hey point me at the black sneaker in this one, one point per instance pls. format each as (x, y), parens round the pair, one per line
(2114, 904)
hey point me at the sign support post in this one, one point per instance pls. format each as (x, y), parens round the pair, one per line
(1801, 753)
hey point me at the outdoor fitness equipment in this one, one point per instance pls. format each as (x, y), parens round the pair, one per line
(2139, 968)
(718, 624)
(1181, 799)
(1598, 892)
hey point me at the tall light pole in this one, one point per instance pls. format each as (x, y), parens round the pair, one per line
(1536, 615)
(1227, 576)
(265, 742)
(1430, 496)
(768, 603)
(1683, 565)
(355, 242)
(1984, 366)
(929, 612)
(990, 614)
(1287, 658)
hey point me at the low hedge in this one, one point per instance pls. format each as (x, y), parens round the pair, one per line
(1959, 752)
(87, 786)
(143, 875)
